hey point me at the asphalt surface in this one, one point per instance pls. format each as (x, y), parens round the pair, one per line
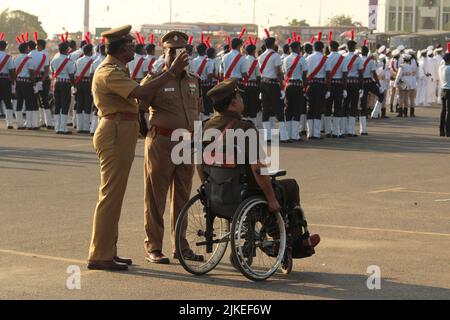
(381, 200)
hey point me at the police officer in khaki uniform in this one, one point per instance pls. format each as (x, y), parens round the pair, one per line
(115, 140)
(176, 105)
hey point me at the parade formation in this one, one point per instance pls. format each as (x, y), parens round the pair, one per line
(309, 90)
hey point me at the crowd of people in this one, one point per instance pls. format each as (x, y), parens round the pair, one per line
(312, 90)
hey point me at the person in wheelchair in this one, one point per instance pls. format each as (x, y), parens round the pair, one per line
(229, 106)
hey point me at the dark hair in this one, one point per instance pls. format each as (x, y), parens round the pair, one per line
(63, 47)
(189, 49)
(295, 45)
(201, 49)
(42, 43)
(150, 49)
(102, 49)
(72, 44)
(334, 45)
(3, 45)
(270, 42)
(351, 45)
(250, 49)
(308, 48)
(364, 50)
(223, 104)
(139, 49)
(211, 52)
(87, 49)
(31, 44)
(23, 47)
(447, 58)
(114, 47)
(319, 46)
(236, 42)
(286, 48)
(83, 43)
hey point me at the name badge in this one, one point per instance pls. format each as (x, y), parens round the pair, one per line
(169, 89)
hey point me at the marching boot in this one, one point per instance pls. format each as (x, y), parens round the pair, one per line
(284, 136)
(48, 119)
(363, 126)
(351, 127)
(328, 126)
(383, 114)
(63, 126)
(344, 127)
(58, 124)
(405, 112)
(310, 125)
(29, 120)
(9, 118)
(267, 131)
(337, 127)
(94, 124)
(303, 126)
(412, 112)
(322, 124)
(79, 123)
(392, 108)
(400, 113)
(19, 120)
(317, 128)
(295, 131)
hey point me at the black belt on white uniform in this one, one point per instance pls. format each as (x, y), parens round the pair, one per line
(368, 80)
(60, 80)
(23, 79)
(353, 80)
(207, 83)
(336, 81)
(317, 81)
(270, 81)
(295, 83)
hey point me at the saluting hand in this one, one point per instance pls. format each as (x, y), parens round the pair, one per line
(180, 63)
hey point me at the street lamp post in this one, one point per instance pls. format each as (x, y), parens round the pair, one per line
(170, 10)
(320, 13)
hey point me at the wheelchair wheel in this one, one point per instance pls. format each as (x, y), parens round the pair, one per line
(258, 239)
(192, 219)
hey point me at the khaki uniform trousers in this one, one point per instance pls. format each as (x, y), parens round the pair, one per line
(162, 176)
(115, 144)
(407, 98)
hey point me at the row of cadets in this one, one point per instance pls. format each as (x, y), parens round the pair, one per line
(317, 91)
(233, 63)
(25, 88)
(97, 62)
(7, 78)
(83, 85)
(251, 83)
(150, 53)
(203, 68)
(138, 67)
(271, 90)
(295, 71)
(63, 69)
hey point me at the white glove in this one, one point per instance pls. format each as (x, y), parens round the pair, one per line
(327, 95)
(260, 96)
(13, 89)
(35, 89)
(39, 86)
(381, 90)
(345, 94)
(361, 93)
(74, 91)
(283, 95)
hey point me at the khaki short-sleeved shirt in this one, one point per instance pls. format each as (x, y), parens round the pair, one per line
(111, 88)
(175, 105)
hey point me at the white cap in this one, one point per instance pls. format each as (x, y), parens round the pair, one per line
(388, 50)
(406, 56)
(396, 52)
(410, 51)
(429, 52)
(342, 52)
(438, 50)
(382, 49)
(401, 48)
(430, 48)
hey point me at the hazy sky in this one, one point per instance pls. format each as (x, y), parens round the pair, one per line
(57, 14)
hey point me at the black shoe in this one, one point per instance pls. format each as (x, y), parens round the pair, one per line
(107, 266)
(68, 133)
(126, 261)
(10, 127)
(442, 133)
(157, 258)
(21, 128)
(364, 134)
(190, 256)
(329, 136)
(50, 128)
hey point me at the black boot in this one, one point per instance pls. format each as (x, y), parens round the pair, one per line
(392, 108)
(400, 113)
(442, 133)
(383, 114)
(405, 112)
(412, 112)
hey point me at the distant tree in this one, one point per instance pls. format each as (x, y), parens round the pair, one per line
(342, 20)
(298, 23)
(17, 22)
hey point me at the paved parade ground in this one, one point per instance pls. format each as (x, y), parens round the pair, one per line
(382, 200)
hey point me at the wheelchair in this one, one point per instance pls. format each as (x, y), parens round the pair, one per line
(226, 210)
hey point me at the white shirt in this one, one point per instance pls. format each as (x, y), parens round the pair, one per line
(27, 66)
(143, 69)
(207, 70)
(333, 59)
(159, 64)
(357, 65)
(312, 62)
(36, 59)
(97, 63)
(68, 69)
(272, 65)
(406, 77)
(149, 59)
(370, 68)
(9, 64)
(81, 64)
(77, 54)
(228, 60)
(299, 69)
(257, 72)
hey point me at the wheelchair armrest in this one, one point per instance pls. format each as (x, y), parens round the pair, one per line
(275, 173)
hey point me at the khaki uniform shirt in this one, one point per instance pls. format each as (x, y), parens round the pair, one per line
(111, 88)
(175, 105)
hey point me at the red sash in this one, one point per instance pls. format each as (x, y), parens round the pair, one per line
(3, 63)
(318, 68)
(351, 63)
(250, 72)
(22, 65)
(291, 71)
(41, 64)
(150, 65)
(61, 68)
(336, 67)
(264, 65)
(84, 71)
(202, 67)
(366, 63)
(138, 67)
(233, 65)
